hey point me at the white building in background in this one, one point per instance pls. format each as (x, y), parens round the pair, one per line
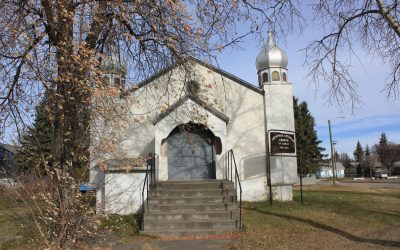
(190, 116)
(326, 170)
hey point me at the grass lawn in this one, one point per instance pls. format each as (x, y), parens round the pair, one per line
(15, 230)
(331, 218)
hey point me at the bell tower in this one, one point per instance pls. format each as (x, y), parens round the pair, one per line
(271, 66)
(114, 68)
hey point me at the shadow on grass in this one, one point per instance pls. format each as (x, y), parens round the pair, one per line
(348, 201)
(331, 229)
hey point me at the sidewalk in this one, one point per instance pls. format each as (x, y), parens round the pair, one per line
(200, 244)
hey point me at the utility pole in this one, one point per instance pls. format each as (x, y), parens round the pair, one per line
(332, 153)
(332, 161)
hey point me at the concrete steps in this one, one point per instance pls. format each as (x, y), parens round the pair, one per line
(191, 207)
(188, 232)
(195, 208)
(192, 215)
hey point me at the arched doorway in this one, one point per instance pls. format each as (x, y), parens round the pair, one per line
(191, 153)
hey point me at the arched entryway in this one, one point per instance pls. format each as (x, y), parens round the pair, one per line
(191, 152)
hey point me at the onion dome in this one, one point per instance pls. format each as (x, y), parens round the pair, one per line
(271, 55)
(113, 62)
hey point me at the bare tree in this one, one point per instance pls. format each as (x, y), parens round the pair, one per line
(374, 24)
(388, 153)
(57, 47)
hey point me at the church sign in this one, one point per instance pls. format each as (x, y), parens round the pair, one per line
(282, 142)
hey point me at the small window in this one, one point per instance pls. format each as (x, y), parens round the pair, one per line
(117, 82)
(265, 77)
(275, 76)
(106, 81)
(122, 86)
(192, 87)
(284, 77)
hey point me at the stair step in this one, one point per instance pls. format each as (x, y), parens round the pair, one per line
(188, 232)
(192, 215)
(185, 185)
(195, 207)
(201, 207)
(191, 192)
(189, 224)
(191, 200)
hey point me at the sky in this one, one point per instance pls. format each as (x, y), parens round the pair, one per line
(376, 113)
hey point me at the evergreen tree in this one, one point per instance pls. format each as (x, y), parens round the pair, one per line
(308, 150)
(36, 144)
(368, 160)
(35, 151)
(383, 139)
(367, 152)
(358, 152)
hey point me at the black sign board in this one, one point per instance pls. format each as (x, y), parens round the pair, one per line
(282, 142)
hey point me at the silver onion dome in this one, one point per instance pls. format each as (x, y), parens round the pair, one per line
(113, 62)
(271, 55)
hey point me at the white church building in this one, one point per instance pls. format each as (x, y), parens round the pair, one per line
(189, 117)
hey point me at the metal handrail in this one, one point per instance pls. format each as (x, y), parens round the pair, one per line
(231, 162)
(146, 183)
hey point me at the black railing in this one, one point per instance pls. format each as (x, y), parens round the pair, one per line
(232, 174)
(149, 178)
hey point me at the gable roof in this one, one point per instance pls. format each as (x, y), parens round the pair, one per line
(196, 100)
(207, 65)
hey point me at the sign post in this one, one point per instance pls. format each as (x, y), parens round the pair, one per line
(281, 143)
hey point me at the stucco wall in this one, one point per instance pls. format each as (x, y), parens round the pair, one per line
(187, 112)
(137, 135)
(122, 193)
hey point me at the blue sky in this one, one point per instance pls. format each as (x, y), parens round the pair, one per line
(376, 113)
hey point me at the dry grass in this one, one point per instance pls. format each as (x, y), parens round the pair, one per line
(15, 221)
(331, 218)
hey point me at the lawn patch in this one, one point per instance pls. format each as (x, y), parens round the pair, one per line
(330, 218)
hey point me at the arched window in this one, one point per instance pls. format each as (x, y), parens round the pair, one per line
(106, 81)
(284, 77)
(117, 82)
(275, 76)
(265, 77)
(122, 84)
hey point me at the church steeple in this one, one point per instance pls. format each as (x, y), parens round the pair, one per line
(271, 63)
(279, 117)
(114, 67)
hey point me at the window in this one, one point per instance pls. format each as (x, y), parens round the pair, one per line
(117, 82)
(275, 76)
(106, 81)
(192, 87)
(284, 77)
(265, 77)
